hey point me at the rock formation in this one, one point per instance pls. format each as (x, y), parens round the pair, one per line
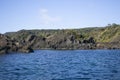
(8, 45)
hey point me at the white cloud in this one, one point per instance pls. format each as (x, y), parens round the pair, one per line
(47, 19)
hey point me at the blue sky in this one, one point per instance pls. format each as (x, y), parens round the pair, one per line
(57, 14)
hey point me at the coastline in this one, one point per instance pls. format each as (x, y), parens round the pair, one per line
(67, 39)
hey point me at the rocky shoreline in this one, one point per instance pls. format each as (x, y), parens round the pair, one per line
(67, 42)
(66, 39)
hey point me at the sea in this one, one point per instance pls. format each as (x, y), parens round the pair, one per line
(61, 65)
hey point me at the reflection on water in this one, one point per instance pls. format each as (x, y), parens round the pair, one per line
(61, 65)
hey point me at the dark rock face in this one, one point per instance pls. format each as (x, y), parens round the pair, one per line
(8, 45)
(30, 38)
(60, 41)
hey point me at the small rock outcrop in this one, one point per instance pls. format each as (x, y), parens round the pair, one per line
(8, 45)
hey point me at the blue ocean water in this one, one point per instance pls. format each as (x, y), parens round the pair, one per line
(61, 65)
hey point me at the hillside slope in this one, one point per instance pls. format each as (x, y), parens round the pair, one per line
(110, 33)
(85, 38)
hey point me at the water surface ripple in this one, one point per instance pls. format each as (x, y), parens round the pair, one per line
(61, 65)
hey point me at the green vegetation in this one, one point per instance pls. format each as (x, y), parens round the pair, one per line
(101, 34)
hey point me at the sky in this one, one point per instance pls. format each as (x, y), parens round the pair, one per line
(57, 14)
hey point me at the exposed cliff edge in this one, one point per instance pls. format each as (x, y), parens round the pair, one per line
(86, 38)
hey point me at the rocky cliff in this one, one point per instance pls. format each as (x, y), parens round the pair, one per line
(86, 38)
